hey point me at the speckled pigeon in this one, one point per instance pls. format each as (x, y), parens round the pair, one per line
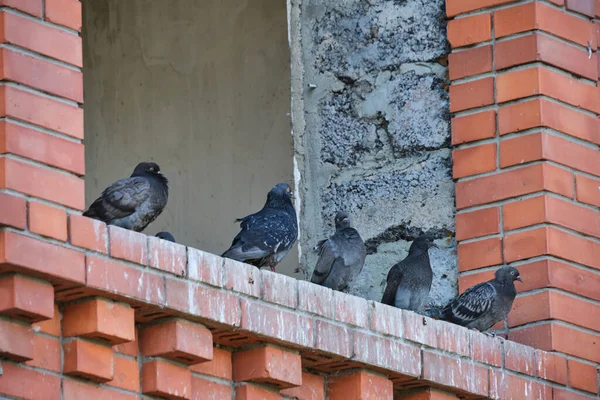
(268, 235)
(166, 236)
(341, 257)
(409, 281)
(134, 202)
(480, 307)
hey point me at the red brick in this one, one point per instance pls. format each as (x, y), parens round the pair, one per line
(279, 289)
(33, 7)
(88, 233)
(551, 367)
(313, 388)
(517, 182)
(427, 394)
(419, 329)
(468, 128)
(160, 378)
(23, 383)
(127, 374)
(45, 259)
(453, 338)
(588, 190)
(519, 358)
(203, 302)
(350, 309)
(26, 299)
(49, 326)
(43, 39)
(334, 339)
(240, 277)
(486, 349)
(361, 385)
(472, 94)
(473, 160)
(540, 112)
(386, 319)
(315, 299)
(16, 341)
(219, 367)
(469, 62)
(540, 16)
(386, 353)
(562, 394)
(251, 392)
(167, 256)
(64, 12)
(47, 220)
(545, 146)
(477, 223)
(470, 30)
(40, 74)
(585, 7)
(178, 340)
(574, 310)
(538, 80)
(456, 373)
(129, 348)
(14, 211)
(42, 111)
(99, 319)
(88, 360)
(77, 390)
(46, 354)
(41, 182)
(124, 280)
(535, 47)
(205, 389)
(537, 210)
(39, 146)
(583, 376)
(479, 254)
(506, 386)
(268, 364)
(205, 267)
(128, 245)
(455, 7)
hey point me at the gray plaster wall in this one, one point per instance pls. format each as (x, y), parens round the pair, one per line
(202, 88)
(372, 131)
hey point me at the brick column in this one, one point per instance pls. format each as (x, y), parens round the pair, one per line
(525, 104)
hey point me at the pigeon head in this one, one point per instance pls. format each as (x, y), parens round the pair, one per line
(342, 220)
(508, 275)
(422, 244)
(166, 236)
(280, 196)
(145, 168)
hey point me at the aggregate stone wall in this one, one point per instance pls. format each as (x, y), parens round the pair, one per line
(373, 131)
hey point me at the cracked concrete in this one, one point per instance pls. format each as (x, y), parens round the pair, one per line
(372, 131)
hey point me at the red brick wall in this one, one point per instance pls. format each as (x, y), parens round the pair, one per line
(90, 311)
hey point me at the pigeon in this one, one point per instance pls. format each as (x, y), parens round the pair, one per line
(268, 235)
(341, 257)
(482, 306)
(409, 281)
(166, 236)
(133, 203)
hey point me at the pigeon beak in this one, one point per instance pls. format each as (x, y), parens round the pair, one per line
(346, 220)
(519, 279)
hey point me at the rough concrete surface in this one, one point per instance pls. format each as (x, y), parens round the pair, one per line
(372, 131)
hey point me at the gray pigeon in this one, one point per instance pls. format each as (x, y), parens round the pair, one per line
(166, 236)
(268, 235)
(409, 281)
(341, 257)
(134, 202)
(482, 306)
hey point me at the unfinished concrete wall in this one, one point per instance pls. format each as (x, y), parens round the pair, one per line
(372, 130)
(202, 88)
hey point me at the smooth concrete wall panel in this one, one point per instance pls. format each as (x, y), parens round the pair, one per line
(203, 89)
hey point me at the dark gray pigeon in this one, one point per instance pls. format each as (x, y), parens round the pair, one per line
(134, 202)
(166, 236)
(268, 235)
(482, 306)
(409, 281)
(341, 257)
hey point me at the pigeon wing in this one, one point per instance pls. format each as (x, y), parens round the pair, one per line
(328, 256)
(474, 303)
(120, 199)
(394, 277)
